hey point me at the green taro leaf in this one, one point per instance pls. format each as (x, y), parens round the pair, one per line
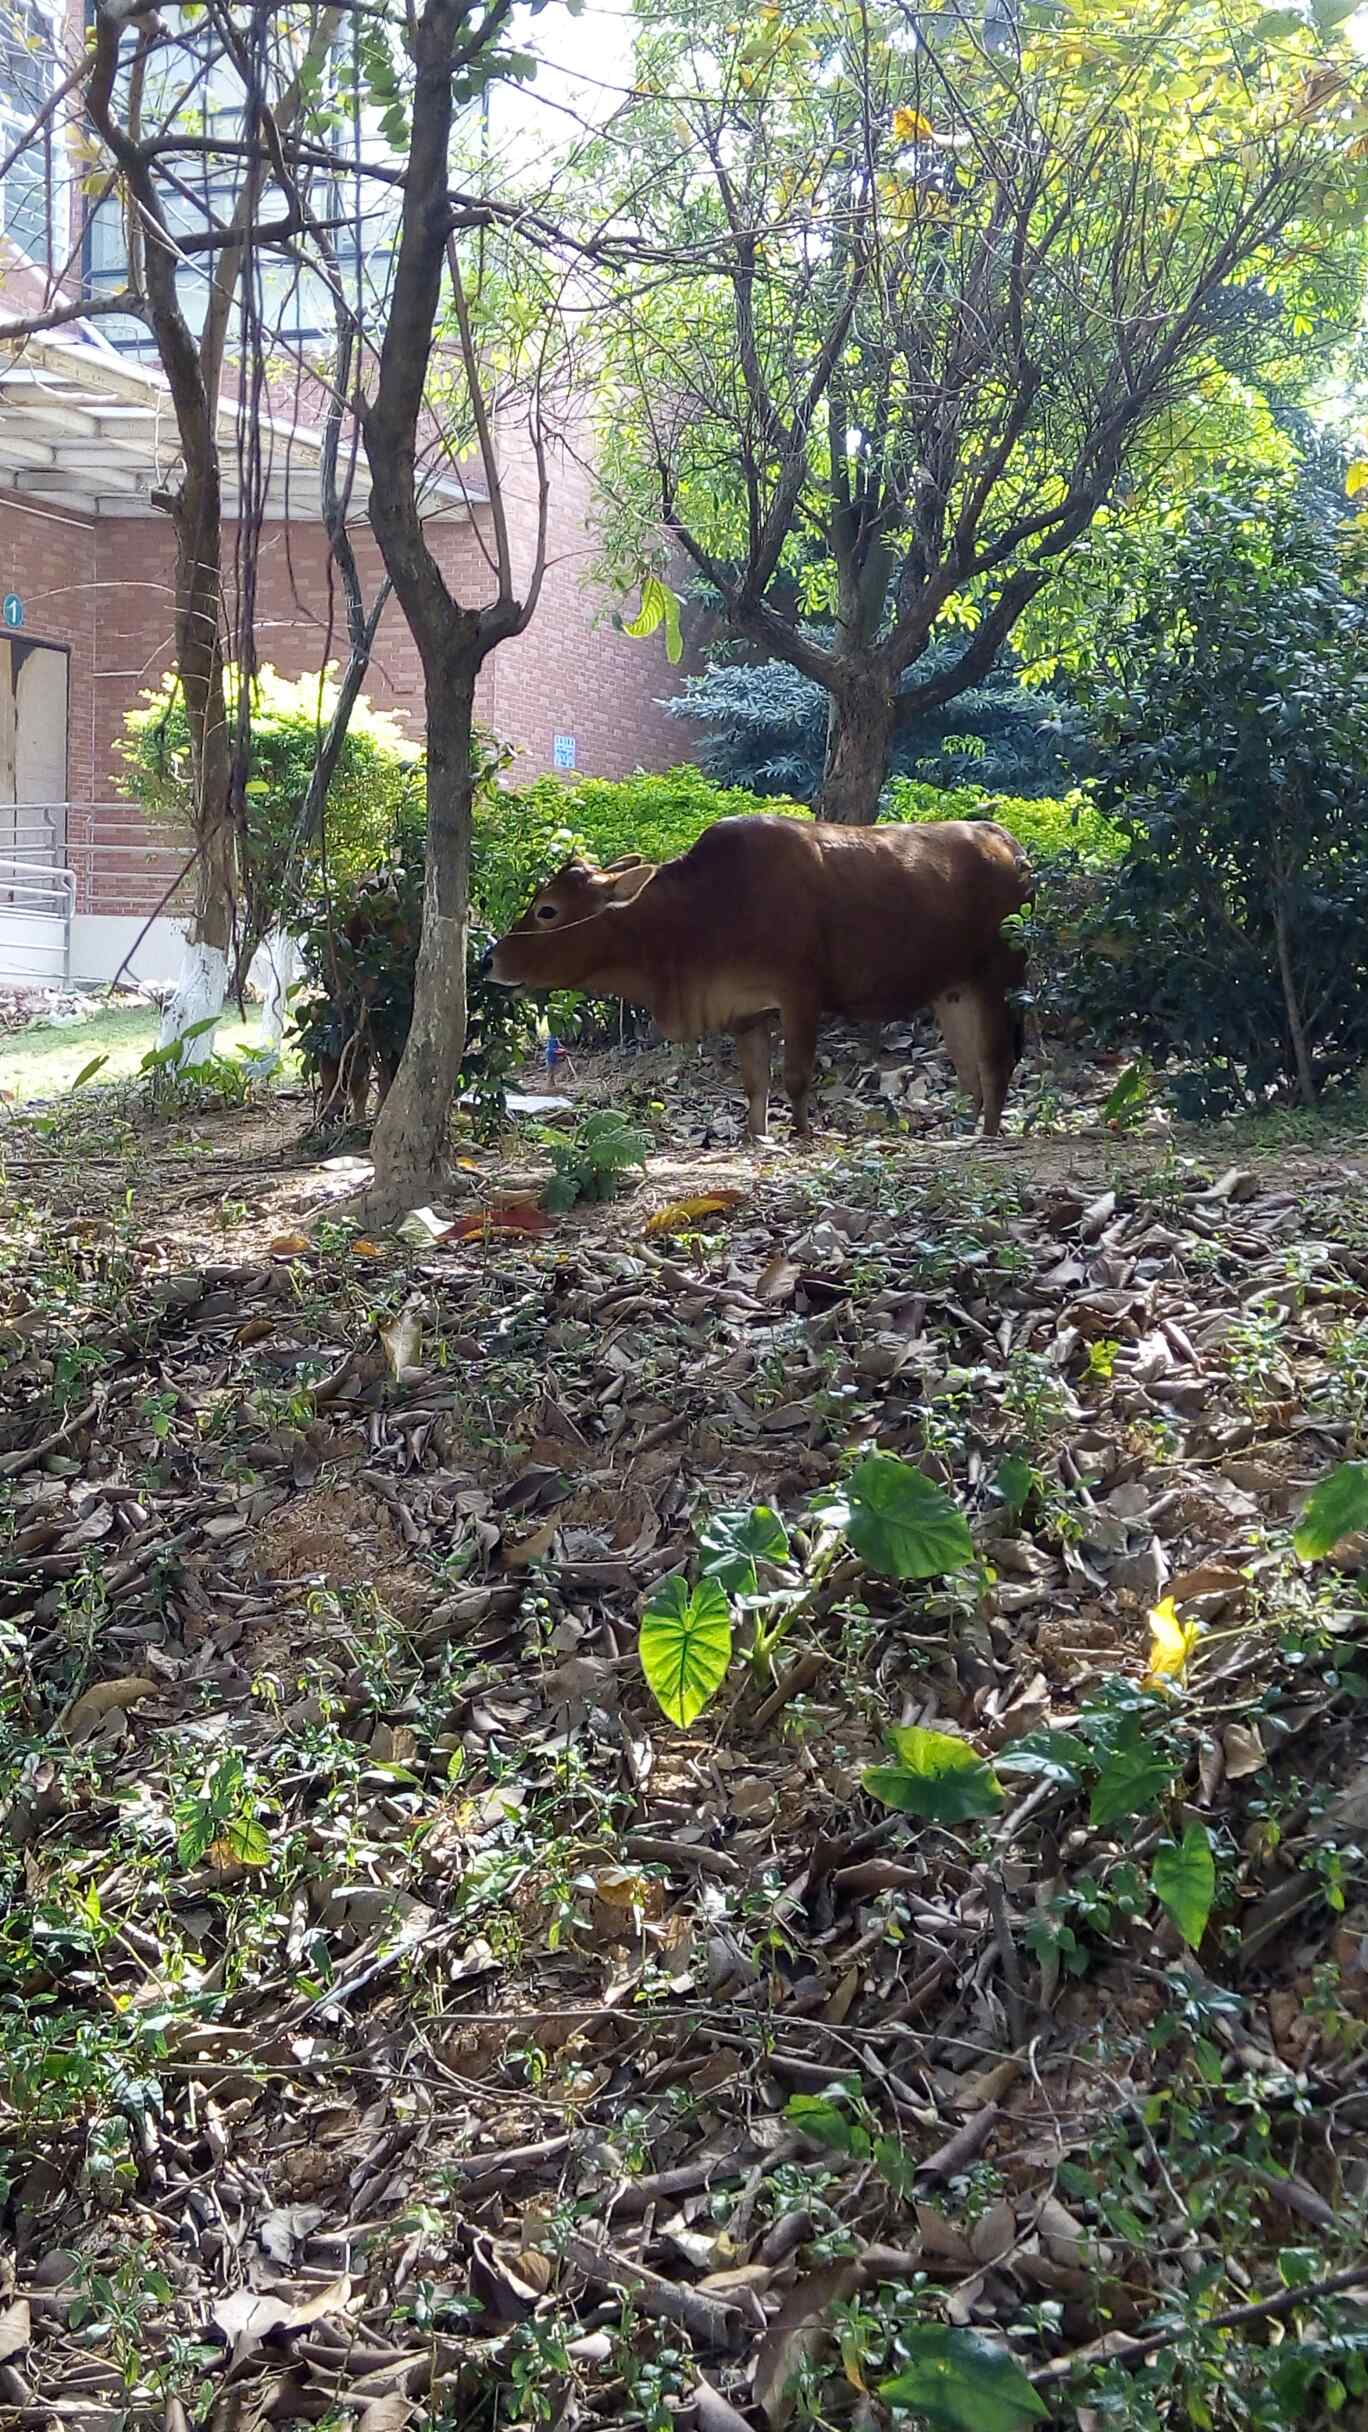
(896, 2167)
(247, 1841)
(902, 1525)
(1337, 1509)
(734, 1542)
(936, 1776)
(1183, 1879)
(1130, 1781)
(685, 1646)
(963, 2381)
(1016, 1482)
(1057, 1756)
(1125, 1103)
(821, 2118)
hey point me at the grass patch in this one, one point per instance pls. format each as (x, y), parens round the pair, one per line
(42, 1063)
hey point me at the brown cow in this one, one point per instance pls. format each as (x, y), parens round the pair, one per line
(768, 916)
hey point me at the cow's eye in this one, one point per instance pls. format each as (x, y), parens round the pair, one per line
(546, 911)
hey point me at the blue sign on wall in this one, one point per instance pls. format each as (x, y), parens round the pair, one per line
(13, 611)
(562, 751)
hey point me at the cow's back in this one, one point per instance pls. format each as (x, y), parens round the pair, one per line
(878, 920)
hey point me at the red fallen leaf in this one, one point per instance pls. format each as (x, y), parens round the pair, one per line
(516, 1216)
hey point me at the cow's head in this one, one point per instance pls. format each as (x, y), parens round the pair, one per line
(561, 938)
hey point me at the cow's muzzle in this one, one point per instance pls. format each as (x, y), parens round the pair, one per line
(485, 964)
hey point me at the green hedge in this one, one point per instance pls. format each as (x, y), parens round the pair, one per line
(1048, 827)
(523, 834)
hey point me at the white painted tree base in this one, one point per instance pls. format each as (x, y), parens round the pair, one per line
(274, 969)
(199, 997)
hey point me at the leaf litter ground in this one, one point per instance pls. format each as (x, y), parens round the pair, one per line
(403, 2024)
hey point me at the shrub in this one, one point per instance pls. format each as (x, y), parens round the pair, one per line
(1065, 829)
(378, 783)
(358, 940)
(523, 834)
(1230, 710)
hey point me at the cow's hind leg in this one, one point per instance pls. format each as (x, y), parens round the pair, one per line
(800, 1061)
(981, 1037)
(359, 1079)
(753, 1043)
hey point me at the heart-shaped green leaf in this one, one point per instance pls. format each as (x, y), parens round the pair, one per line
(1338, 1509)
(734, 1542)
(963, 2381)
(1057, 1756)
(685, 1645)
(936, 1776)
(1016, 1482)
(1184, 1880)
(821, 2117)
(1130, 1782)
(901, 1524)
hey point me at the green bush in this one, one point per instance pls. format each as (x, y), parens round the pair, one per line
(1229, 708)
(377, 787)
(523, 834)
(1051, 829)
(358, 939)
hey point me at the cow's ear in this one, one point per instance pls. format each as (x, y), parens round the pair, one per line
(627, 880)
(625, 861)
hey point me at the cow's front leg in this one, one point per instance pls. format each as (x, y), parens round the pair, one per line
(753, 1056)
(800, 1061)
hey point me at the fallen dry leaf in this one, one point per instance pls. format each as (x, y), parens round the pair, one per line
(106, 1697)
(247, 2316)
(517, 1216)
(682, 1212)
(16, 2329)
(795, 2335)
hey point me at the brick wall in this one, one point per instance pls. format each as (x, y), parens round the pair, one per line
(47, 555)
(105, 589)
(570, 673)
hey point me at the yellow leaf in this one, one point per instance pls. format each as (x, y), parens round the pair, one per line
(1171, 1643)
(688, 1211)
(289, 1245)
(911, 128)
(366, 1249)
(1356, 479)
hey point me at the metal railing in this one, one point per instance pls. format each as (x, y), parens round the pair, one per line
(36, 907)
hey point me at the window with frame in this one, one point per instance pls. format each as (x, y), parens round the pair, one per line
(296, 302)
(28, 77)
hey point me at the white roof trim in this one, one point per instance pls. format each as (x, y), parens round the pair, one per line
(86, 429)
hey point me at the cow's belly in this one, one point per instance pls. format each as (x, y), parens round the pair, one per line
(715, 1001)
(893, 999)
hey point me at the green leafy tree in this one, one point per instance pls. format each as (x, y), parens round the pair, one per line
(1230, 708)
(930, 301)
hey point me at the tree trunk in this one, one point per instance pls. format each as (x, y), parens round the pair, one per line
(1301, 1054)
(203, 982)
(859, 731)
(408, 1149)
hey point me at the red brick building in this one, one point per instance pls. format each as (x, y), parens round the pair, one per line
(86, 573)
